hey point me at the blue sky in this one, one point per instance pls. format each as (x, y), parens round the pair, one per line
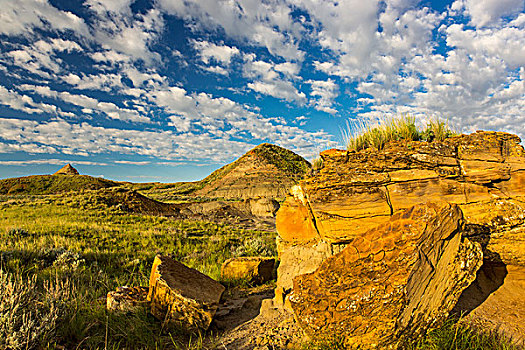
(169, 90)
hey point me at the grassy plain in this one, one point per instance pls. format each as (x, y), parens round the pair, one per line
(89, 249)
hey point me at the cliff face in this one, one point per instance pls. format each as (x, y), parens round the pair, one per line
(266, 171)
(355, 192)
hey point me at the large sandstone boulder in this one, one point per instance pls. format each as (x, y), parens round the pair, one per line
(253, 269)
(395, 279)
(356, 191)
(182, 296)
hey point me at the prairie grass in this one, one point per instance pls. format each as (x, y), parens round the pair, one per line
(360, 135)
(93, 248)
(317, 163)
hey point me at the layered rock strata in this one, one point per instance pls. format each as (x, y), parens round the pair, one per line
(400, 277)
(182, 296)
(355, 192)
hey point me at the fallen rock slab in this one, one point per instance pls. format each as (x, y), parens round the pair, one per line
(182, 296)
(127, 299)
(253, 269)
(393, 281)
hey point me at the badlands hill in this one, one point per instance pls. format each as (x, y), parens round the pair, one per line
(265, 171)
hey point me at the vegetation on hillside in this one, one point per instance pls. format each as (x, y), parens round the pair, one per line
(362, 135)
(52, 184)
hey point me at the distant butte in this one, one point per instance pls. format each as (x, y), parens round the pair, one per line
(67, 170)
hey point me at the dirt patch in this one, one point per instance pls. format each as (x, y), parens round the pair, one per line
(247, 320)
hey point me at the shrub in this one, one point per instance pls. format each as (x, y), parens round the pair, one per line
(29, 314)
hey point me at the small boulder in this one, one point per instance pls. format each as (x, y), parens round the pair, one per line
(127, 299)
(182, 296)
(254, 269)
(264, 207)
(67, 170)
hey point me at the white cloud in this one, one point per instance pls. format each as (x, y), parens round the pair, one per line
(324, 92)
(216, 70)
(279, 89)
(211, 52)
(24, 103)
(59, 136)
(130, 162)
(49, 161)
(22, 16)
(272, 79)
(89, 104)
(265, 24)
(506, 43)
(486, 12)
(118, 29)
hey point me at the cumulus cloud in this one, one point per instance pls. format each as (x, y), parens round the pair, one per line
(486, 12)
(273, 79)
(212, 52)
(50, 162)
(22, 16)
(266, 24)
(118, 29)
(24, 103)
(89, 104)
(324, 92)
(59, 136)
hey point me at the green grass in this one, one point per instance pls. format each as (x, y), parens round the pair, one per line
(454, 334)
(96, 248)
(361, 135)
(459, 334)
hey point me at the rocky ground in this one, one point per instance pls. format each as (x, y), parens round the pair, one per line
(249, 321)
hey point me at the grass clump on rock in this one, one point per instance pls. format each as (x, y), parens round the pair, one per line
(361, 135)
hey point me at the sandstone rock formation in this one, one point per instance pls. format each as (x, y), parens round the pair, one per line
(253, 269)
(67, 170)
(266, 171)
(182, 296)
(397, 278)
(355, 192)
(127, 299)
